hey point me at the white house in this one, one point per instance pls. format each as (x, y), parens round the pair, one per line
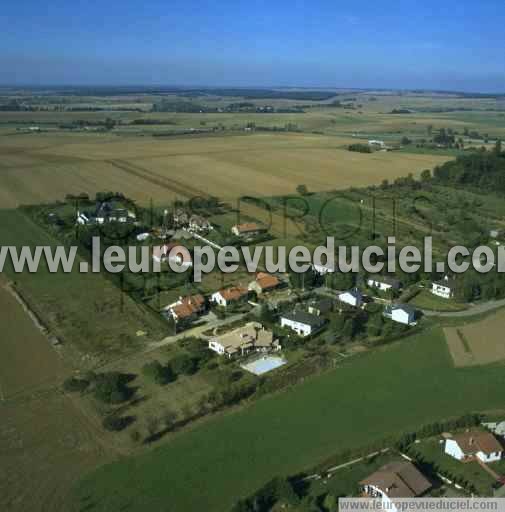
(227, 296)
(401, 313)
(395, 480)
(304, 324)
(352, 297)
(496, 427)
(83, 218)
(324, 268)
(443, 288)
(142, 237)
(379, 143)
(383, 283)
(474, 444)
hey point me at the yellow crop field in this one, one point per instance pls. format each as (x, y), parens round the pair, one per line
(477, 343)
(45, 166)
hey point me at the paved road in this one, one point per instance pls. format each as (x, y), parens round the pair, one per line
(196, 331)
(474, 309)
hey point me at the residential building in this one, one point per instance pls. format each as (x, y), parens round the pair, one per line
(180, 217)
(248, 338)
(383, 283)
(263, 283)
(247, 229)
(399, 479)
(324, 268)
(401, 313)
(474, 444)
(444, 288)
(186, 308)
(379, 143)
(496, 427)
(199, 224)
(229, 296)
(352, 297)
(303, 323)
(320, 307)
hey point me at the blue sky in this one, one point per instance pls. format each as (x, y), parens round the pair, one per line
(430, 44)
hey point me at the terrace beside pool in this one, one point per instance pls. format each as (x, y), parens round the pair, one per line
(263, 364)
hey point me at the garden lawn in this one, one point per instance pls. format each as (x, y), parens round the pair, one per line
(388, 391)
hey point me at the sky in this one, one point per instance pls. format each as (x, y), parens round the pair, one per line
(444, 45)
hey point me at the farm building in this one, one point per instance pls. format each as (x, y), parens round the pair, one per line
(352, 297)
(474, 444)
(444, 288)
(304, 324)
(395, 480)
(263, 283)
(401, 313)
(251, 337)
(248, 229)
(383, 283)
(230, 295)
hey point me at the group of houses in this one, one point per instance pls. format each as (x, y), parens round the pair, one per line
(402, 479)
(190, 221)
(105, 212)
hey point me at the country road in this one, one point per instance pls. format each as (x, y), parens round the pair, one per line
(474, 309)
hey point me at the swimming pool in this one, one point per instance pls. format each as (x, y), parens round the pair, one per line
(263, 364)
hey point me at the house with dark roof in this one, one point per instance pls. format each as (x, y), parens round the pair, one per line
(303, 323)
(444, 288)
(474, 444)
(352, 297)
(399, 479)
(401, 313)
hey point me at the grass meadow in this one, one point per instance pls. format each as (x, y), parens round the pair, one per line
(85, 309)
(365, 399)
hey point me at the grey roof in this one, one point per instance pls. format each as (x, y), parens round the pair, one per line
(355, 293)
(405, 307)
(304, 318)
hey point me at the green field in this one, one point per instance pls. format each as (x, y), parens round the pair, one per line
(86, 310)
(389, 391)
(426, 300)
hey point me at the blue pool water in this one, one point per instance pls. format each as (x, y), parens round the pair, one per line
(264, 364)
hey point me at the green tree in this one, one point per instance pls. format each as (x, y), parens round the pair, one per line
(184, 364)
(302, 190)
(426, 175)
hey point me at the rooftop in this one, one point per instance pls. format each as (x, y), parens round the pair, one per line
(399, 480)
(477, 440)
(304, 318)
